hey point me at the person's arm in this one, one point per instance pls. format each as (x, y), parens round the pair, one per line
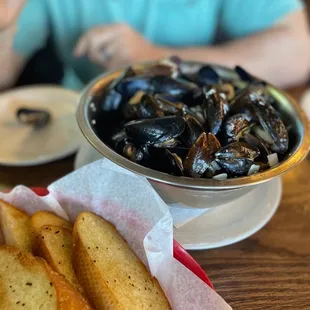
(11, 63)
(280, 54)
(268, 38)
(23, 30)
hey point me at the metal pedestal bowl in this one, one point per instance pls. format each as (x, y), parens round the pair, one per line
(192, 192)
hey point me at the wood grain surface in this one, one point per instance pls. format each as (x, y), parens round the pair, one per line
(270, 270)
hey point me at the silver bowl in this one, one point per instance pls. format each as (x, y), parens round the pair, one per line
(194, 192)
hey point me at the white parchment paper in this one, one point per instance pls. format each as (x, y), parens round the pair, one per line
(140, 215)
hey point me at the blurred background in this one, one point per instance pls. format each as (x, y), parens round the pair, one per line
(46, 68)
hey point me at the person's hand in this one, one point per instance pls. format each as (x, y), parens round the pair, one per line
(9, 11)
(116, 45)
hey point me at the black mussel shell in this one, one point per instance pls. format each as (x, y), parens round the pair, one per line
(174, 87)
(174, 142)
(128, 87)
(156, 130)
(237, 150)
(35, 117)
(235, 126)
(215, 106)
(130, 109)
(207, 76)
(180, 150)
(148, 107)
(199, 158)
(161, 160)
(237, 158)
(176, 162)
(168, 105)
(260, 145)
(242, 102)
(247, 77)
(192, 131)
(130, 151)
(271, 122)
(236, 167)
(112, 98)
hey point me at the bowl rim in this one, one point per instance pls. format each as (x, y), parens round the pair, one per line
(187, 182)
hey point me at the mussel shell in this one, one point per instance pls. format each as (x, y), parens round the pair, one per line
(167, 144)
(37, 118)
(176, 162)
(192, 131)
(130, 151)
(236, 167)
(247, 77)
(148, 107)
(271, 122)
(214, 144)
(199, 158)
(260, 145)
(112, 98)
(167, 106)
(162, 160)
(156, 130)
(174, 87)
(215, 106)
(237, 150)
(235, 126)
(181, 151)
(197, 112)
(206, 76)
(129, 86)
(242, 102)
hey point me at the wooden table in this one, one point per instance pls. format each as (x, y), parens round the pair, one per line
(270, 270)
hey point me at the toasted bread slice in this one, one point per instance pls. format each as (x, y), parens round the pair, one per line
(28, 282)
(15, 226)
(42, 218)
(55, 246)
(111, 274)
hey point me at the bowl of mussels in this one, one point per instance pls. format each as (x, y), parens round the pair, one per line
(202, 134)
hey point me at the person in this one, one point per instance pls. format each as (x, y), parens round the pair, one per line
(268, 38)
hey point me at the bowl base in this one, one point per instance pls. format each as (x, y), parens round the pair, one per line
(231, 222)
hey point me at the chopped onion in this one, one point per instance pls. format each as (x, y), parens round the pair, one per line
(210, 92)
(273, 159)
(215, 165)
(263, 134)
(221, 176)
(253, 169)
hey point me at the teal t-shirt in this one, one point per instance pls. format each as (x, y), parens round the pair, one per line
(174, 23)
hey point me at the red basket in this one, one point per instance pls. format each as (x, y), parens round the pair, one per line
(179, 252)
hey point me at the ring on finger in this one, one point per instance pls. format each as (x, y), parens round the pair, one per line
(106, 54)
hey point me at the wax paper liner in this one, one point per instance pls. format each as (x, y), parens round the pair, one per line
(140, 215)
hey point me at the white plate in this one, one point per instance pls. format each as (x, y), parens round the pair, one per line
(305, 102)
(232, 222)
(23, 146)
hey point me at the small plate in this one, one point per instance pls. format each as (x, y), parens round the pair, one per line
(305, 102)
(233, 221)
(21, 145)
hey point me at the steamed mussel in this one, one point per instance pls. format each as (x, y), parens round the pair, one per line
(200, 125)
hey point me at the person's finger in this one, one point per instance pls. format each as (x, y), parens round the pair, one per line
(97, 38)
(104, 55)
(9, 11)
(81, 47)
